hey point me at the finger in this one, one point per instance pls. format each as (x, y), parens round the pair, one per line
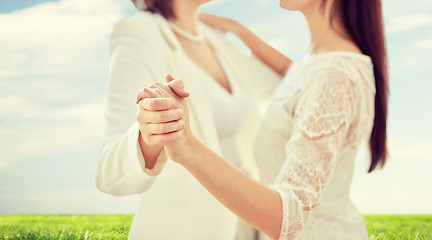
(158, 104)
(145, 93)
(178, 88)
(161, 90)
(165, 138)
(169, 78)
(164, 116)
(210, 19)
(161, 128)
(164, 90)
(219, 22)
(205, 16)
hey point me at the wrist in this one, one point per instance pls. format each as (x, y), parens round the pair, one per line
(150, 153)
(237, 28)
(191, 151)
(243, 33)
(148, 146)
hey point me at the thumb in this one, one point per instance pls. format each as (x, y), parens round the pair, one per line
(178, 87)
(169, 78)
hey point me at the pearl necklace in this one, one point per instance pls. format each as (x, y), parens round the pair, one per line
(183, 33)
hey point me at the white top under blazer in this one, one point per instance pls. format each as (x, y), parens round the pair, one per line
(172, 204)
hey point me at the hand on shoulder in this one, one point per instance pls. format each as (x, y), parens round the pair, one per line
(222, 23)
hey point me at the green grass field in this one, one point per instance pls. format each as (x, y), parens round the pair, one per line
(53, 227)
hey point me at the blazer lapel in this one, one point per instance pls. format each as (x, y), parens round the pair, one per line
(199, 107)
(240, 71)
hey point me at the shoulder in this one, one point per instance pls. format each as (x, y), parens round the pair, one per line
(142, 25)
(332, 75)
(137, 34)
(339, 66)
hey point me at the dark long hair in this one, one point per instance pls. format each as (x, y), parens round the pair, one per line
(364, 23)
(163, 7)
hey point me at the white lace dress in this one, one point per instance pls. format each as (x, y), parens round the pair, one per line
(307, 143)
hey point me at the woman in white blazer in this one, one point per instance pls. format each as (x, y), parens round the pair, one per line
(144, 48)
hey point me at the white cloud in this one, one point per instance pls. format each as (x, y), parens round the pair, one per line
(65, 201)
(262, 1)
(53, 64)
(52, 107)
(402, 187)
(60, 130)
(419, 150)
(424, 44)
(391, 200)
(55, 37)
(52, 77)
(39, 128)
(411, 21)
(287, 32)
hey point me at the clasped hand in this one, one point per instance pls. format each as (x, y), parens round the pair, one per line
(163, 117)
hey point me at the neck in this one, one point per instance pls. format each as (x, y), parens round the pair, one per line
(186, 15)
(324, 31)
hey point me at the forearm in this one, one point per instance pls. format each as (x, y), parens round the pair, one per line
(150, 153)
(266, 53)
(257, 204)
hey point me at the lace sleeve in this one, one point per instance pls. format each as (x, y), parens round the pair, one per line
(323, 116)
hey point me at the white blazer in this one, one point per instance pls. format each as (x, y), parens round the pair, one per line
(143, 50)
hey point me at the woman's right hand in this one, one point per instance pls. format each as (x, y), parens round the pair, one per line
(219, 22)
(266, 53)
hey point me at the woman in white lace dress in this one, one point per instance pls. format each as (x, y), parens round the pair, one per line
(327, 105)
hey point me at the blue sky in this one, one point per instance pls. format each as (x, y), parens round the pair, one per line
(53, 69)
(18, 5)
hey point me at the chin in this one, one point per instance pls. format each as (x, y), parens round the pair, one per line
(286, 5)
(201, 2)
(296, 5)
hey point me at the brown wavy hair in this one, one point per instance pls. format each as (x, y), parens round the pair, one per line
(163, 7)
(364, 22)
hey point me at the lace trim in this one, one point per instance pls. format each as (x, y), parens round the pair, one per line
(284, 229)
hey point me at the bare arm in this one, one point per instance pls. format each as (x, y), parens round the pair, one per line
(257, 204)
(263, 51)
